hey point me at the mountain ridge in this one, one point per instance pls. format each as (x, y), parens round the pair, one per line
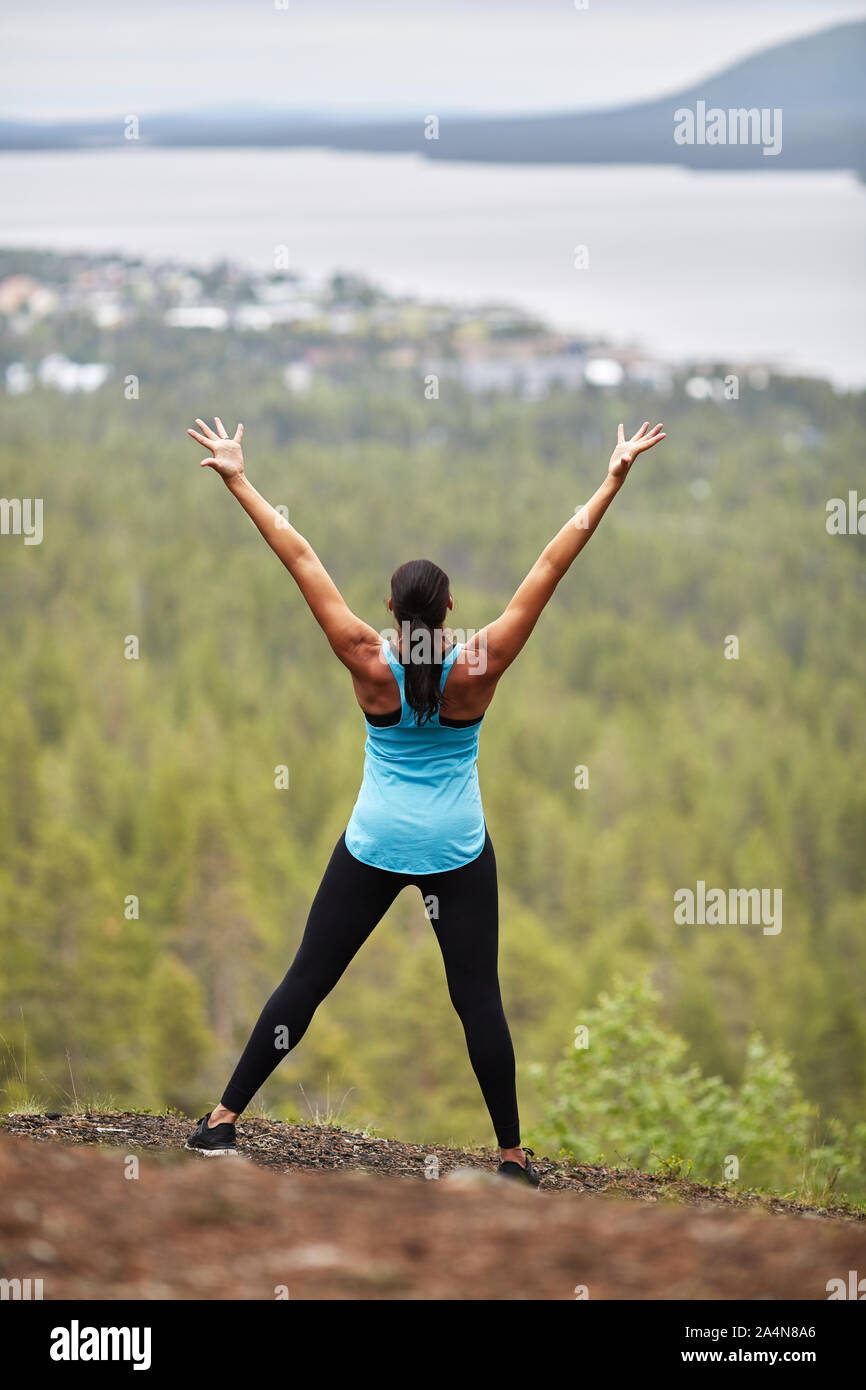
(815, 81)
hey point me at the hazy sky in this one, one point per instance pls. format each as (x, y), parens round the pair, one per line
(108, 57)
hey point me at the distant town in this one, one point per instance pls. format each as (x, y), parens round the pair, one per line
(317, 329)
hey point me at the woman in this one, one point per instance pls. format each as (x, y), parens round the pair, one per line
(418, 818)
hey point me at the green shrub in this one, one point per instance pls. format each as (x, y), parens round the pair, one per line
(632, 1094)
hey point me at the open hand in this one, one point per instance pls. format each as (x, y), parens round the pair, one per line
(627, 450)
(228, 458)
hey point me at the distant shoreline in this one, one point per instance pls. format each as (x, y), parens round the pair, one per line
(763, 270)
(153, 146)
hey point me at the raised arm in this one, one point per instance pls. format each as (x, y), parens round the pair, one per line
(353, 640)
(505, 637)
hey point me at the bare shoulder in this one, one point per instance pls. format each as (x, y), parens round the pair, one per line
(470, 685)
(376, 688)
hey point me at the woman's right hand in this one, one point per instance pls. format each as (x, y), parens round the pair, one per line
(228, 458)
(627, 450)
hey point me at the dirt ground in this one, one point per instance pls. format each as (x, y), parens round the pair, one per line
(111, 1206)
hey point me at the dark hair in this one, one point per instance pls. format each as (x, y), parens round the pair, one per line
(420, 592)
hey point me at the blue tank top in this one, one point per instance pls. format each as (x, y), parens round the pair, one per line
(419, 808)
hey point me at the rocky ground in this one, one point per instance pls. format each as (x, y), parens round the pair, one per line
(112, 1206)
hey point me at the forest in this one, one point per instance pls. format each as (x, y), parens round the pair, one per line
(689, 710)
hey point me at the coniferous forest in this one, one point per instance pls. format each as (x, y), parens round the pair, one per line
(689, 710)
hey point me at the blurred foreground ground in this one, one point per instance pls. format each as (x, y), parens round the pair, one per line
(331, 1220)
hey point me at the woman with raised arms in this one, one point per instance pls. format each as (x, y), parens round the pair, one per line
(418, 818)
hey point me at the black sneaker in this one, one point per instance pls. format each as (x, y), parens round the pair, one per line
(518, 1173)
(222, 1139)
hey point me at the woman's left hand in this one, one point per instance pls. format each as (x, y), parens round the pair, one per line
(228, 457)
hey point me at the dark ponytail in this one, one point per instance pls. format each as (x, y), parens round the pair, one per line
(420, 592)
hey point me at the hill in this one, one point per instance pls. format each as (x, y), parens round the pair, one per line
(325, 1222)
(155, 881)
(815, 81)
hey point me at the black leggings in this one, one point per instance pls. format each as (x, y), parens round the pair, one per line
(352, 898)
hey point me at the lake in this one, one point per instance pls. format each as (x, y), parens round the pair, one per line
(741, 266)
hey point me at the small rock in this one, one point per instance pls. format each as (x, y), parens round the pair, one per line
(43, 1252)
(471, 1177)
(318, 1256)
